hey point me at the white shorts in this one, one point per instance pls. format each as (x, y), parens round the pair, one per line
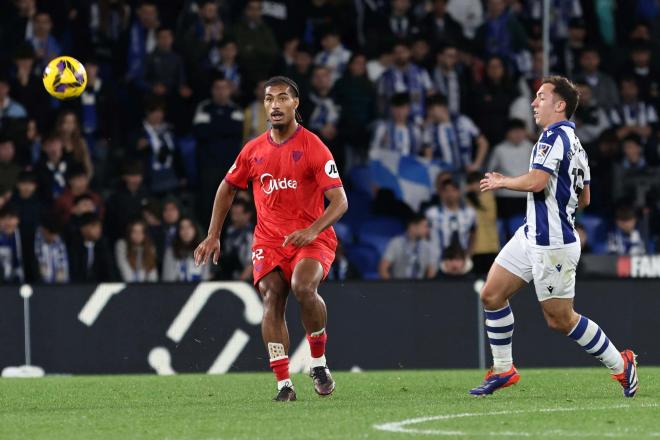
(553, 270)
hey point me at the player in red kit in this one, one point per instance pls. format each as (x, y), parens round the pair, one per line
(291, 172)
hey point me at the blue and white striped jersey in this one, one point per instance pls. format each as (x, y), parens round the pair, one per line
(551, 212)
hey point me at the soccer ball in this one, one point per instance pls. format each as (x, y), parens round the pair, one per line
(65, 78)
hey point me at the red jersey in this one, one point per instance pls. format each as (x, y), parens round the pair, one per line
(288, 182)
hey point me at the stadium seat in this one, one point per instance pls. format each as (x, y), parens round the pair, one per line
(344, 232)
(187, 147)
(387, 226)
(365, 257)
(360, 178)
(594, 226)
(377, 241)
(358, 209)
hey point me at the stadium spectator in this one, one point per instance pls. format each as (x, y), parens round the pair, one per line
(9, 169)
(356, 96)
(11, 247)
(198, 39)
(342, 269)
(451, 221)
(645, 74)
(301, 73)
(218, 130)
(257, 46)
(163, 232)
(50, 253)
(468, 13)
(420, 53)
(633, 154)
(501, 34)
(45, 45)
(77, 185)
(602, 163)
(287, 58)
(91, 260)
(455, 262)
(164, 74)
(564, 11)
(401, 23)
(492, 100)
(51, 169)
(567, 54)
(135, 255)
(602, 85)
(323, 113)
(450, 80)
(397, 133)
(333, 55)
(125, 204)
(31, 150)
(411, 254)
(404, 77)
(26, 203)
(141, 40)
(20, 23)
(155, 145)
(236, 257)
(227, 67)
(178, 263)
(255, 119)
(590, 119)
(625, 238)
(449, 138)
(633, 116)
(26, 86)
(486, 236)
(67, 127)
(511, 158)
(439, 27)
(10, 111)
(382, 61)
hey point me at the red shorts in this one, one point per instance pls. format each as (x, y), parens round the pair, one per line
(266, 258)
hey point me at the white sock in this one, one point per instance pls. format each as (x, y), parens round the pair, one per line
(284, 383)
(499, 327)
(596, 343)
(318, 362)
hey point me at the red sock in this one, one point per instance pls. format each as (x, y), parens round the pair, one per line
(281, 368)
(317, 344)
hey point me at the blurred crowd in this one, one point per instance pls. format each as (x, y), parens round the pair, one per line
(115, 185)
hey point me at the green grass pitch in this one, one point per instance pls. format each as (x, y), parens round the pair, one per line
(548, 404)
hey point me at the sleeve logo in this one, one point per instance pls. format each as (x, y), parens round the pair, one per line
(231, 170)
(542, 150)
(331, 169)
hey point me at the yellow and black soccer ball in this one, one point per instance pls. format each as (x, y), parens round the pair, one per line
(65, 77)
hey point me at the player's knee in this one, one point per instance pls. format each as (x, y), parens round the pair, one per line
(303, 290)
(491, 298)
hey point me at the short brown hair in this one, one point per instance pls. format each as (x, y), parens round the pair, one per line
(566, 90)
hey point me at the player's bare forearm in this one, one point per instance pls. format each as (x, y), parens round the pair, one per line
(335, 209)
(210, 246)
(585, 197)
(224, 197)
(533, 181)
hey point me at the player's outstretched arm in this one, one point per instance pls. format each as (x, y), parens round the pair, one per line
(210, 247)
(333, 212)
(534, 181)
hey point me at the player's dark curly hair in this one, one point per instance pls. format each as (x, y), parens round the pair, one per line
(283, 80)
(566, 90)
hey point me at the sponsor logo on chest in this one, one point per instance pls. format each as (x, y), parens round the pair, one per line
(270, 183)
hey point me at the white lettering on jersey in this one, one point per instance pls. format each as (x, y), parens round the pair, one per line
(270, 183)
(331, 169)
(233, 167)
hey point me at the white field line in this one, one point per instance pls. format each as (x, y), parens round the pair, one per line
(403, 425)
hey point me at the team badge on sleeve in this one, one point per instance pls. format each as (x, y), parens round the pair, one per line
(542, 151)
(331, 169)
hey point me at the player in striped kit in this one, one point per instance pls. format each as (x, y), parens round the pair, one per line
(546, 248)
